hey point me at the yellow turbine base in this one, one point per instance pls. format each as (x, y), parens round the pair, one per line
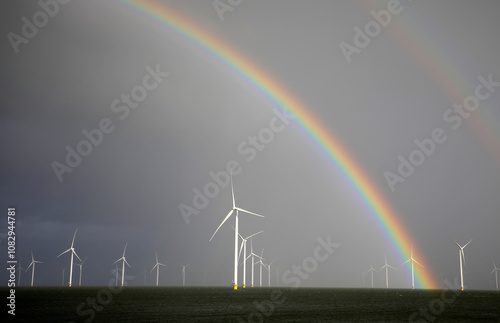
(244, 286)
(69, 285)
(252, 285)
(235, 287)
(462, 288)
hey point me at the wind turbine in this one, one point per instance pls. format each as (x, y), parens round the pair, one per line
(19, 276)
(244, 246)
(371, 270)
(123, 262)
(412, 272)
(252, 254)
(72, 253)
(115, 271)
(387, 266)
(495, 270)
(157, 265)
(235, 210)
(184, 273)
(462, 259)
(269, 273)
(33, 262)
(81, 264)
(261, 264)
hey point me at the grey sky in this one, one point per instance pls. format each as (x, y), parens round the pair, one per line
(129, 188)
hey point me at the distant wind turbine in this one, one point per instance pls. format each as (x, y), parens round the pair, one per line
(387, 266)
(412, 271)
(261, 264)
(184, 273)
(124, 261)
(115, 271)
(495, 270)
(269, 273)
(33, 262)
(80, 265)
(19, 268)
(371, 270)
(234, 210)
(252, 254)
(462, 260)
(244, 246)
(71, 261)
(157, 266)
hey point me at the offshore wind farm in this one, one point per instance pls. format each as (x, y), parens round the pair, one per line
(236, 160)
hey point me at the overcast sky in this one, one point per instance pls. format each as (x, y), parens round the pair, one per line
(197, 116)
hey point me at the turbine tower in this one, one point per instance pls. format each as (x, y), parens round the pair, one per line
(157, 265)
(269, 273)
(184, 273)
(115, 271)
(72, 253)
(19, 268)
(387, 266)
(33, 262)
(371, 270)
(462, 260)
(244, 247)
(234, 210)
(252, 254)
(412, 270)
(124, 261)
(495, 270)
(80, 265)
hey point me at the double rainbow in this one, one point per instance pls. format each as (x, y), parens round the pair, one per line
(166, 18)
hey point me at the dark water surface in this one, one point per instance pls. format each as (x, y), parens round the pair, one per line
(222, 304)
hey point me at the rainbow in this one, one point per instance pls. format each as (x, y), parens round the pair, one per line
(380, 210)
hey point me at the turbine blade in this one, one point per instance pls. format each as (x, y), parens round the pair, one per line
(232, 190)
(76, 255)
(241, 248)
(254, 234)
(62, 253)
(126, 262)
(405, 262)
(153, 268)
(225, 219)
(463, 257)
(117, 261)
(456, 243)
(391, 267)
(125, 249)
(242, 210)
(72, 242)
(467, 243)
(418, 263)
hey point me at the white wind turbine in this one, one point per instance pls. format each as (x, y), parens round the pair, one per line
(371, 270)
(62, 280)
(495, 270)
(184, 273)
(412, 271)
(462, 259)
(80, 265)
(252, 254)
(72, 253)
(33, 262)
(244, 247)
(269, 273)
(261, 264)
(19, 268)
(115, 271)
(387, 266)
(235, 210)
(157, 265)
(124, 261)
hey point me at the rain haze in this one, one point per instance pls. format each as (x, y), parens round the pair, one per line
(414, 103)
